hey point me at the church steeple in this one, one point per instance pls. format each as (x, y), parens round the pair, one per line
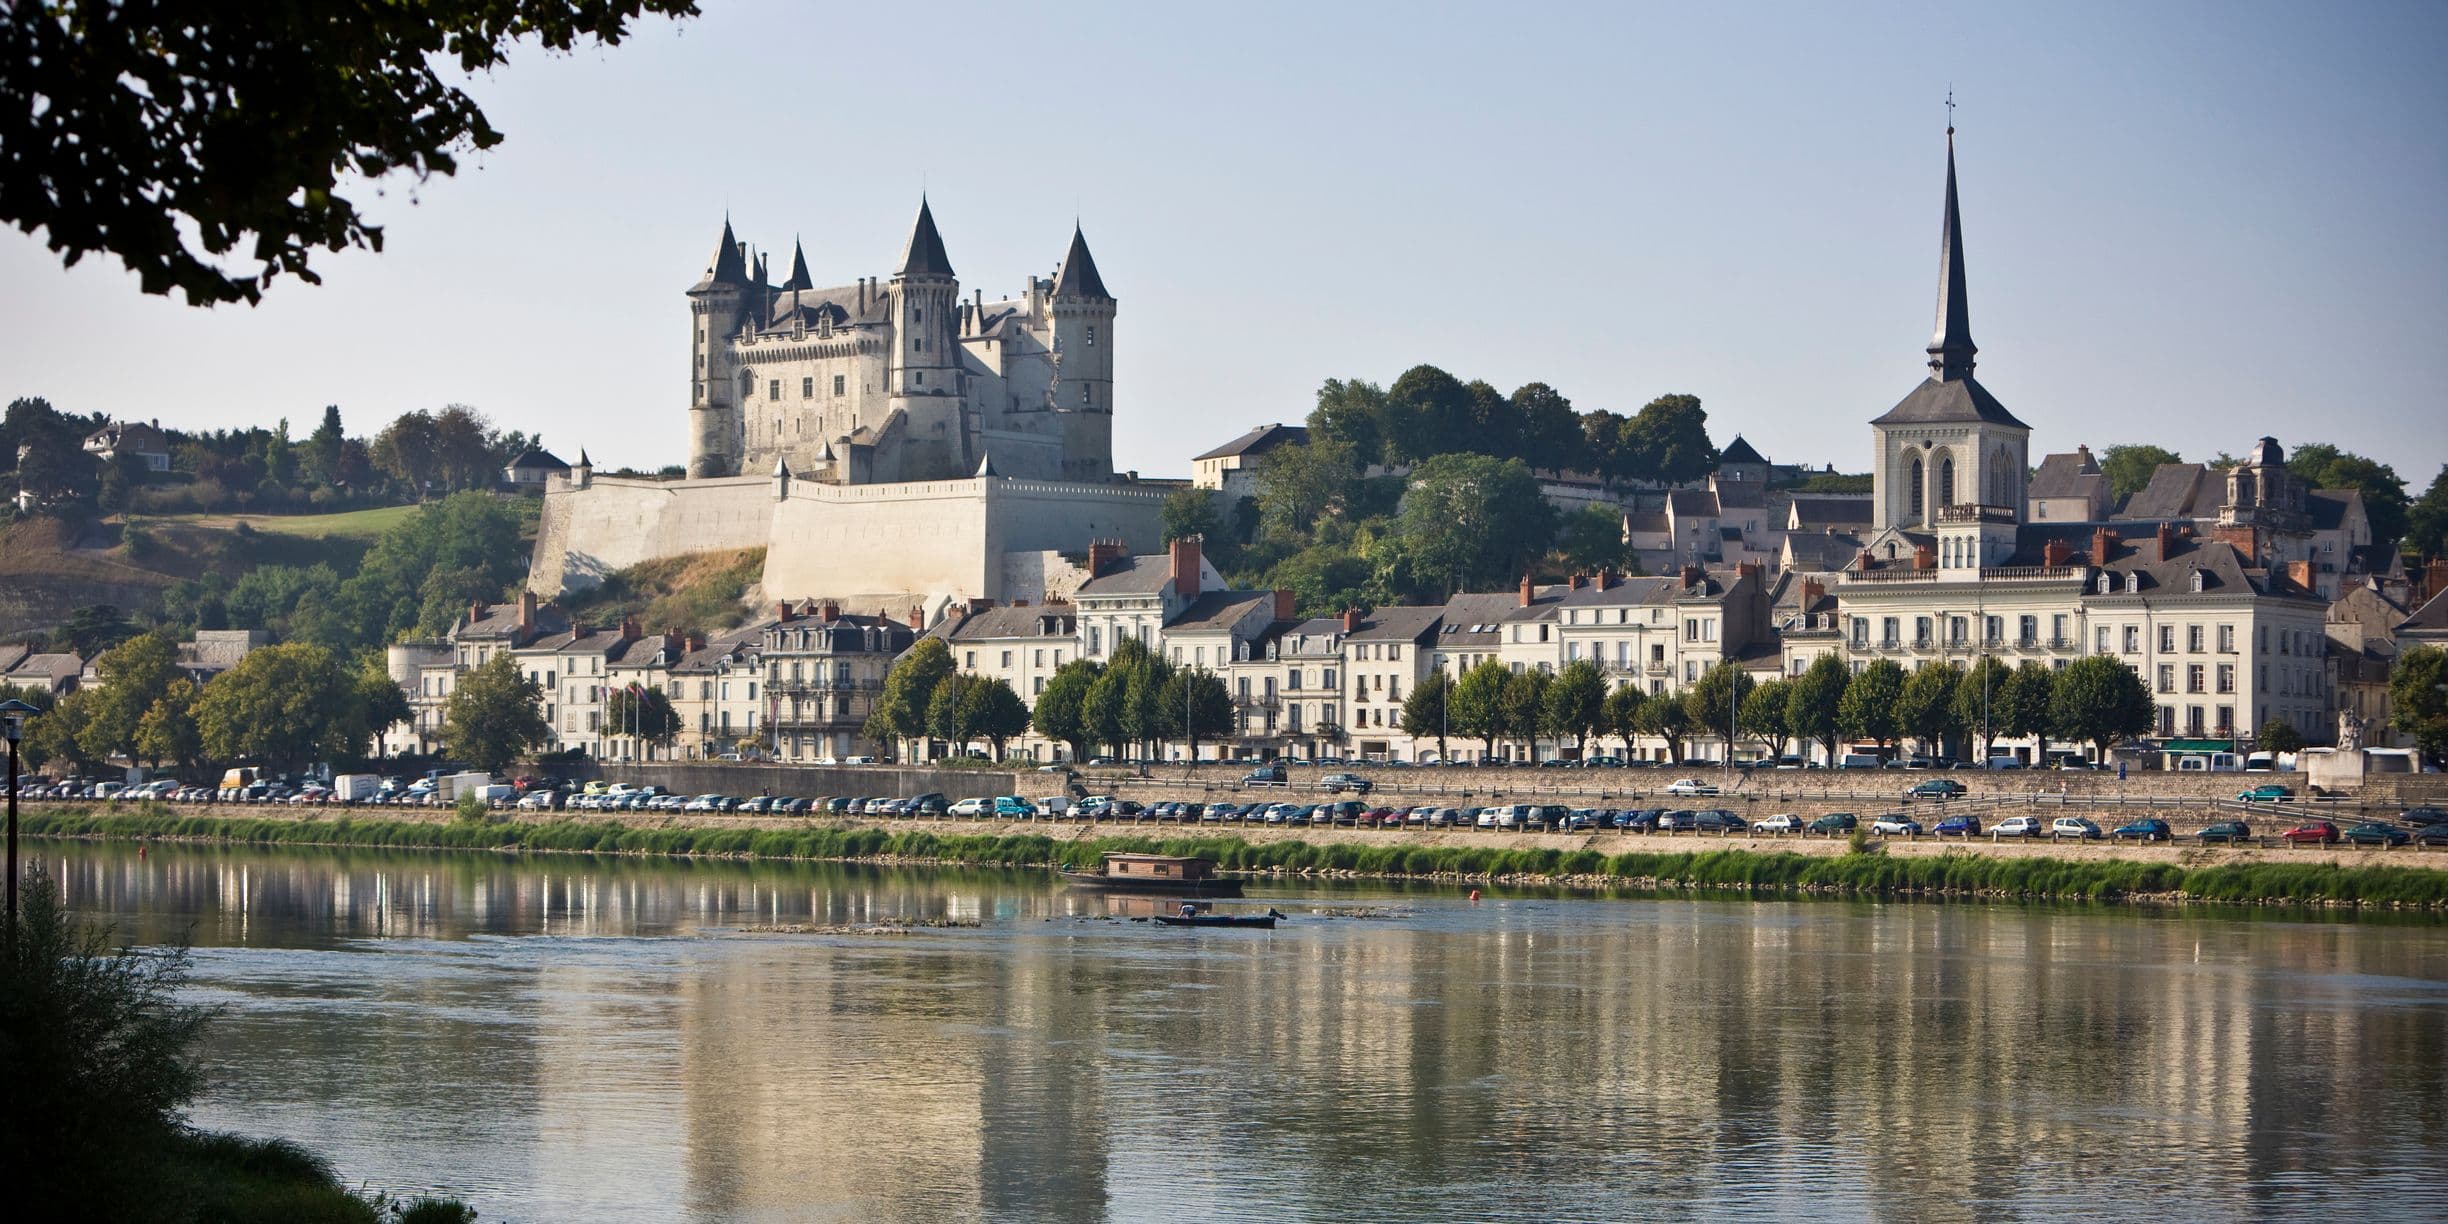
(799, 278)
(1951, 350)
(925, 256)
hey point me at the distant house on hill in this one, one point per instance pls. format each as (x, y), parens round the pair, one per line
(146, 442)
(529, 471)
(1233, 467)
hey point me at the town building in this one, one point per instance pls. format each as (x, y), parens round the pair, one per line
(824, 670)
(145, 440)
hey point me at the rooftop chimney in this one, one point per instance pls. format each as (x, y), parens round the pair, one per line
(1529, 591)
(917, 618)
(1693, 576)
(831, 611)
(476, 611)
(977, 605)
(2056, 553)
(2103, 546)
(1813, 591)
(527, 615)
(1606, 577)
(695, 642)
(1283, 604)
(1102, 556)
(1186, 567)
(1924, 557)
(1351, 620)
(2167, 540)
(1748, 569)
(782, 612)
(1579, 580)
(1862, 561)
(630, 630)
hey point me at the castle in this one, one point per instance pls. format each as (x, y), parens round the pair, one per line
(884, 441)
(899, 378)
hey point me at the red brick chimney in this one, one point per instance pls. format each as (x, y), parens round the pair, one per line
(630, 631)
(695, 642)
(1606, 577)
(2167, 540)
(1351, 620)
(1862, 561)
(476, 611)
(1186, 567)
(2056, 553)
(782, 611)
(2435, 578)
(831, 611)
(2103, 546)
(1924, 557)
(1529, 591)
(1813, 591)
(1693, 575)
(1284, 604)
(981, 605)
(2300, 573)
(1102, 556)
(1579, 581)
(2241, 539)
(1747, 569)
(917, 618)
(527, 615)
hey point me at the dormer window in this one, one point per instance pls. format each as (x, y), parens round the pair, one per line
(2133, 583)
(2200, 579)
(2107, 583)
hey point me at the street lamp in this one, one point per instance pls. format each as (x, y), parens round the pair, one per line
(12, 725)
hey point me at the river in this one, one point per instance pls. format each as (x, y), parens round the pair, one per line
(562, 1038)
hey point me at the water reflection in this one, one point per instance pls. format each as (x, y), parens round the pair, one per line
(578, 1038)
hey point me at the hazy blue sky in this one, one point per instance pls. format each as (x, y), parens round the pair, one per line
(2185, 224)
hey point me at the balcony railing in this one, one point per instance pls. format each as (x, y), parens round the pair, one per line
(826, 685)
(2025, 573)
(1249, 702)
(2065, 643)
(1659, 667)
(1888, 575)
(1972, 512)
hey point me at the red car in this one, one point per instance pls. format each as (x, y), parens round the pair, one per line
(2319, 831)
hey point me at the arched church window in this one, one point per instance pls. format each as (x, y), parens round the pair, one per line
(1913, 485)
(1946, 482)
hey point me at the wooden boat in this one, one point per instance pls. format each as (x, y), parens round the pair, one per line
(1165, 874)
(1265, 920)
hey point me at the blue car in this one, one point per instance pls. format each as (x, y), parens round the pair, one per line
(1958, 826)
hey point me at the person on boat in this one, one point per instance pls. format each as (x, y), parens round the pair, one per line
(1189, 909)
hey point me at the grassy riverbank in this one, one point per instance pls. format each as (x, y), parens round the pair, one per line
(1871, 874)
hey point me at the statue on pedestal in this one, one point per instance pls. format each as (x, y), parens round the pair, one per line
(2350, 731)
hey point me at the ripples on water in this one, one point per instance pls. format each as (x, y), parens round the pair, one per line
(564, 1038)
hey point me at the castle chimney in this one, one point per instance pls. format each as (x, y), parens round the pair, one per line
(1186, 567)
(1351, 620)
(1283, 604)
(2056, 553)
(1102, 555)
(1529, 592)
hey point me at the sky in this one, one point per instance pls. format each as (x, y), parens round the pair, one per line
(2185, 224)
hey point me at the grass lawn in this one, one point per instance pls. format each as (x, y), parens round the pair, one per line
(351, 524)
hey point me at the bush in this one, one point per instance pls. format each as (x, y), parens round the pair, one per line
(472, 809)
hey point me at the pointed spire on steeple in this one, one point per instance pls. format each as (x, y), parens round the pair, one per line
(925, 255)
(828, 458)
(583, 461)
(1078, 278)
(729, 268)
(1951, 350)
(781, 468)
(799, 278)
(986, 465)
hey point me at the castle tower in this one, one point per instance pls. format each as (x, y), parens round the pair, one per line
(716, 311)
(924, 371)
(1082, 390)
(1950, 451)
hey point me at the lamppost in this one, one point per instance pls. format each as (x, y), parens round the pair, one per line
(12, 725)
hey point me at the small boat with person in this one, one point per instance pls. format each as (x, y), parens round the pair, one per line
(1168, 874)
(1193, 915)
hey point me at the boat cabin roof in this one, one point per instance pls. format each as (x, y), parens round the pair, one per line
(1181, 866)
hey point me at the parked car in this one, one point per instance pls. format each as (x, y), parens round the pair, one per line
(1782, 822)
(2149, 828)
(1719, 820)
(970, 808)
(1690, 786)
(1265, 775)
(1678, 820)
(1337, 783)
(2422, 816)
(1935, 788)
(1638, 820)
(1896, 824)
(2229, 831)
(2268, 793)
(2378, 833)
(2430, 835)
(2016, 826)
(2318, 832)
(1834, 823)
(1958, 826)
(2079, 828)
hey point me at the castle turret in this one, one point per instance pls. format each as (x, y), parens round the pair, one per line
(1082, 390)
(924, 372)
(716, 312)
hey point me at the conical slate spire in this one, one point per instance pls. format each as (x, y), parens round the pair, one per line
(799, 278)
(986, 465)
(729, 268)
(1951, 350)
(925, 256)
(1079, 278)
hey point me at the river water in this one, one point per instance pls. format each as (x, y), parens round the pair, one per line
(565, 1038)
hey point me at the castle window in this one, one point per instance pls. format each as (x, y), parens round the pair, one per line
(918, 377)
(773, 389)
(1092, 335)
(807, 388)
(837, 384)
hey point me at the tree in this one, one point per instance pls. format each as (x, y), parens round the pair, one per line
(1576, 703)
(1425, 711)
(196, 132)
(1623, 716)
(1478, 700)
(1470, 522)
(1977, 700)
(909, 687)
(92, 629)
(2278, 735)
(1300, 484)
(2130, 467)
(1427, 413)
(167, 732)
(1145, 719)
(1523, 707)
(284, 706)
(1592, 538)
(2318, 465)
(1550, 429)
(2427, 520)
(2100, 699)
(1665, 716)
(464, 454)
(948, 714)
(494, 715)
(135, 674)
(1667, 440)
(1191, 514)
(1927, 710)
(1351, 413)
(323, 448)
(1101, 709)
(1714, 704)
(996, 711)
(1199, 696)
(1814, 706)
(1763, 714)
(375, 702)
(409, 451)
(1059, 715)
(59, 734)
(1870, 700)
(2418, 697)
(2024, 704)
(1602, 445)
(641, 712)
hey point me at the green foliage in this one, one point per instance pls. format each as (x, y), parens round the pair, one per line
(1575, 704)
(135, 674)
(1814, 705)
(140, 149)
(909, 688)
(2427, 520)
(1199, 695)
(1061, 707)
(1470, 522)
(2026, 706)
(1477, 708)
(1763, 714)
(1978, 698)
(90, 630)
(1711, 709)
(419, 576)
(1667, 441)
(2278, 735)
(168, 733)
(2418, 694)
(1848, 484)
(1592, 538)
(1350, 414)
(1928, 710)
(697, 591)
(1868, 710)
(1668, 717)
(1191, 514)
(642, 712)
(494, 715)
(1623, 714)
(1523, 707)
(2318, 465)
(1302, 484)
(471, 809)
(1425, 711)
(996, 713)
(2130, 467)
(2100, 699)
(59, 734)
(282, 706)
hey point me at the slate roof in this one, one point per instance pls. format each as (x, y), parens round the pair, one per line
(2175, 491)
(1144, 575)
(728, 268)
(1741, 495)
(2430, 619)
(541, 459)
(1218, 610)
(1821, 552)
(1258, 441)
(1404, 623)
(49, 668)
(1005, 621)
(2074, 474)
(925, 254)
(1470, 620)
(2329, 508)
(799, 278)
(500, 623)
(1650, 522)
(1627, 593)
(1078, 278)
(1817, 511)
(1938, 401)
(2222, 568)
(1692, 503)
(732, 645)
(1739, 451)
(11, 653)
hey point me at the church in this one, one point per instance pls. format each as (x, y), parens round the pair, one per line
(899, 378)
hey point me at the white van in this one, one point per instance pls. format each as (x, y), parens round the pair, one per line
(1857, 760)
